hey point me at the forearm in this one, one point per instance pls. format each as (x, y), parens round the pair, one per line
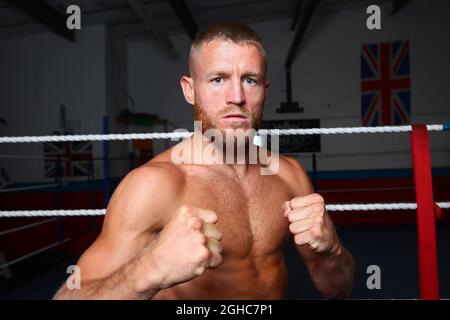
(122, 284)
(333, 274)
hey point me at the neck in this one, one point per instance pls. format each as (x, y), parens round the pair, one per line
(228, 150)
(203, 150)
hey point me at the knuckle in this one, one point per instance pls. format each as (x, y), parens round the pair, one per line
(195, 222)
(318, 209)
(319, 221)
(318, 206)
(201, 238)
(191, 211)
(184, 211)
(204, 254)
(201, 271)
(316, 232)
(218, 260)
(292, 228)
(291, 216)
(295, 214)
(290, 203)
(214, 215)
(298, 239)
(318, 198)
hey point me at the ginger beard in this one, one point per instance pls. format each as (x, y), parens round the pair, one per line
(210, 121)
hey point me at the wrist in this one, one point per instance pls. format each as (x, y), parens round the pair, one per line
(333, 251)
(145, 278)
(336, 249)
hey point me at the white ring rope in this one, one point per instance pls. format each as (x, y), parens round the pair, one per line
(379, 206)
(97, 137)
(185, 134)
(53, 213)
(343, 130)
(329, 207)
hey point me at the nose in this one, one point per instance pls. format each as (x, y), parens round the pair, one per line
(235, 94)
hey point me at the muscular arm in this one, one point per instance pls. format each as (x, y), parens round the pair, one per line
(331, 271)
(112, 267)
(121, 284)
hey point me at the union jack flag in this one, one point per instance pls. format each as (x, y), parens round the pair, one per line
(75, 158)
(385, 84)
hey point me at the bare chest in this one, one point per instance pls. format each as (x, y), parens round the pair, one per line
(249, 212)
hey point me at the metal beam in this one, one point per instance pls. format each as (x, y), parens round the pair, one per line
(397, 5)
(297, 11)
(183, 13)
(139, 8)
(310, 8)
(46, 15)
(292, 106)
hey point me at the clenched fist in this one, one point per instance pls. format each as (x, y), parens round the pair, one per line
(310, 223)
(188, 244)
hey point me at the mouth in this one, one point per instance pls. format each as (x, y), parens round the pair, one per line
(234, 117)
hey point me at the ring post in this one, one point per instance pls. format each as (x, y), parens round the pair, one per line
(426, 228)
(105, 162)
(59, 175)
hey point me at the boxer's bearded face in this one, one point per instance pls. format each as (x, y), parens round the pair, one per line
(213, 121)
(229, 86)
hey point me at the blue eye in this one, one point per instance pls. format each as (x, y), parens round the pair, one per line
(250, 81)
(217, 80)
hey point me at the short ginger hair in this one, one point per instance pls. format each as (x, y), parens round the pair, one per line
(232, 31)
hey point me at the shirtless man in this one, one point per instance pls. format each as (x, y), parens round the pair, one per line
(196, 231)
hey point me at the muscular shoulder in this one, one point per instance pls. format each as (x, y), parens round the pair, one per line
(295, 176)
(146, 197)
(140, 207)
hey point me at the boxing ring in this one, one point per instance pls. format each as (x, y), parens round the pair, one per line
(428, 211)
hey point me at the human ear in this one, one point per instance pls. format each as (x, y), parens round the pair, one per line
(187, 85)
